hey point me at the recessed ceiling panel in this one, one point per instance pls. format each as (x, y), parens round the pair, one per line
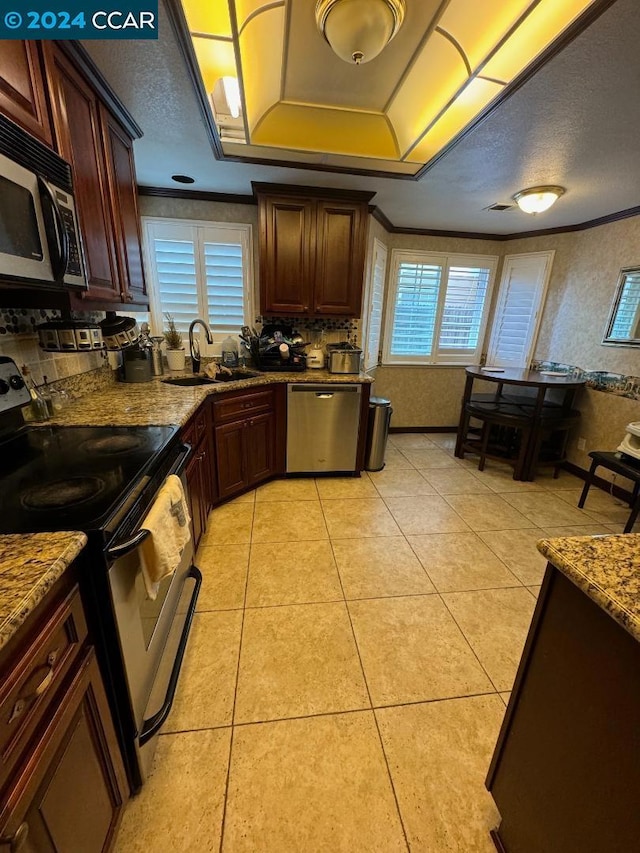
(261, 39)
(315, 75)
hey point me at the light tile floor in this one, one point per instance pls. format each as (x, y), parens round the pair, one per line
(353, 651)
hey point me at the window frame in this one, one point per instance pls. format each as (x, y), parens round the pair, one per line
(156, 316)
(446, 260)
(376, 249)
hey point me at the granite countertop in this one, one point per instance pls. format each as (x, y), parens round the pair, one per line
(30, 564)
(606, 568)
(157, 404)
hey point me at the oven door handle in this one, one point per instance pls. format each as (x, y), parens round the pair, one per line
(117, 551)
(181, 461)
(151, 726)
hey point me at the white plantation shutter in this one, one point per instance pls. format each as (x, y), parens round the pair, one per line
(416, 305)
(175, 263)
(519, 308)
(375, 299)
(199, 269)
(627, 317)
(463, 309)
(438, 308)
(225, 289)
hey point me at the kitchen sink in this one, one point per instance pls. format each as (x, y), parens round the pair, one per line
(189, 381)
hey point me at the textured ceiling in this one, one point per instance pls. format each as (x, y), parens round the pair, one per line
(576, 123)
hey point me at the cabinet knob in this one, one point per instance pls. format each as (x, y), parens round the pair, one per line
(16, 841)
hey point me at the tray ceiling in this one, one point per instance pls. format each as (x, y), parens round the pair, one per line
(450, 61)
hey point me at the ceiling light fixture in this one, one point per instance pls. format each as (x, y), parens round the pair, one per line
(183, 179)
(537, 199)
(232, 94)
(358, 30)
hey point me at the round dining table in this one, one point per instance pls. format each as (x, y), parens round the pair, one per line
(507, 381)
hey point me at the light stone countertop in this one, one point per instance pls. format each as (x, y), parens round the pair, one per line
(606, 568)
(30, 564)
(157, 404)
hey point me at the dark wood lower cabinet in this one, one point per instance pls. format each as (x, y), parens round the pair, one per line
(68, 796)
(195, 487)
(245, 453)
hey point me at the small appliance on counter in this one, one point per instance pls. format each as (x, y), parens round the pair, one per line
(344, 357)
(630, 445)
(136, 364)
(316, 354)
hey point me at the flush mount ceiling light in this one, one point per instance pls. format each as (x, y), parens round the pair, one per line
(451, 63)
(358, 30)
(183, 179)
(537, 199)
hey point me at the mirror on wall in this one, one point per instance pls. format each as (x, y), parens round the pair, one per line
(623, 328)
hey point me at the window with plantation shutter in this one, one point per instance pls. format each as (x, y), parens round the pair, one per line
(626, 323)
(199, 269)
(374, 302)
(438, 307)
(519, 309)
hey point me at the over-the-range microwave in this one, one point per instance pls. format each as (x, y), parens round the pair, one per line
(39, 238)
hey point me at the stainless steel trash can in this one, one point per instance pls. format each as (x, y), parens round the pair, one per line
(380, 412)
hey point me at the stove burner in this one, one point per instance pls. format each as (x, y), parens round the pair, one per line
(112, 445)
(62, 493)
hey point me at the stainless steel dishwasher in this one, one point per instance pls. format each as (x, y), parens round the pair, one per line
(322, 427)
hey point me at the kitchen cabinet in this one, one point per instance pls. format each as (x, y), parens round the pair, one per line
(100, 152)
(312, 250)
(23, 96)
(200, 473)
(245, 441)
(67, 786)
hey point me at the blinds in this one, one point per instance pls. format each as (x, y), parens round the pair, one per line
(225, 290)
(199, 269)
(376, 297)
(463, 308)
(627, 318)
(415, 309)
(175, 263)
(520, 299)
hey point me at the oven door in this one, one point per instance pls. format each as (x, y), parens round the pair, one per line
(153, 634)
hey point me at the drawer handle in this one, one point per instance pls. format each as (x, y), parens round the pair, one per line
(16, 841)
(41, 689)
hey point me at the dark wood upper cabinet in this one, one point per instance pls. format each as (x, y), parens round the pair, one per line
(341, 233)
(76, 111)
(22, 88)
(312, 250)
(121, 175)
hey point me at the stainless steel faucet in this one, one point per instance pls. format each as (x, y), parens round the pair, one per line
(194, 346)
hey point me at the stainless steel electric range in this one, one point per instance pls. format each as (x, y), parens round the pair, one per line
(103, 481)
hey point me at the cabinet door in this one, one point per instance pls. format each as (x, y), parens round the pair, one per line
(340, 255)
(259, 439)
(193, 473)
(71, 793)
(77, 123)
(123, 190)
(230, 462)
(286, 227)
(22, 88)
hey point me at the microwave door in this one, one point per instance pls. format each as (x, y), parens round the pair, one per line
(57, 236)
(24, 249)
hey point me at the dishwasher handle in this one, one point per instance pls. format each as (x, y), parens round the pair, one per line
(324, 395)
(319, 390)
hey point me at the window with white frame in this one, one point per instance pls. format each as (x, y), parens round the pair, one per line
(438, 307)
(523, 288)
(199, 269)
(374, 297)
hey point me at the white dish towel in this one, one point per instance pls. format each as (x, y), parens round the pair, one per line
(168, 522)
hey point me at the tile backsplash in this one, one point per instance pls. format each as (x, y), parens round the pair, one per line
(19, 341)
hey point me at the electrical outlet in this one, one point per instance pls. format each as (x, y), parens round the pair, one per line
(582, 444)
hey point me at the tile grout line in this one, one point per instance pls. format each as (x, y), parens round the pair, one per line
(375, 719)
(235, 692)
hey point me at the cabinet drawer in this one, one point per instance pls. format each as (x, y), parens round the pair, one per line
(29, 688)
(234, 408)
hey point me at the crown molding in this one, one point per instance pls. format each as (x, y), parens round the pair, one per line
(376, 212)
